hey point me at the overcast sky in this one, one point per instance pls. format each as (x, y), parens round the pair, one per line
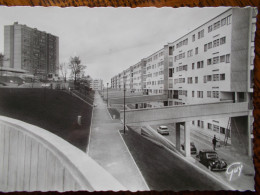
(108, 40)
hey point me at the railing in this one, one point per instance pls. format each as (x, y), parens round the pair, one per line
(33, 159)
(183, 113)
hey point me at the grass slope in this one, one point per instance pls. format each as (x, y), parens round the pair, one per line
(52, 110)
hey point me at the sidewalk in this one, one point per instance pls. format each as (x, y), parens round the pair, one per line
(108, 149)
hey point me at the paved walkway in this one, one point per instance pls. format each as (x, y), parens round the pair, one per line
(108, 149)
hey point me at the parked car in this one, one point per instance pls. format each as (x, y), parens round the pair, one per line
(163, 130)
(210, 159)
(193, 149)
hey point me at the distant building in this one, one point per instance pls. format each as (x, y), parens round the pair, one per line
(96, 84)
(30, 50)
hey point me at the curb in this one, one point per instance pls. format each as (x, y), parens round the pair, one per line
(135, 163)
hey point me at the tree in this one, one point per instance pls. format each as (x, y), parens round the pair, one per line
(76, 68)
(63, 68)
(1, 60)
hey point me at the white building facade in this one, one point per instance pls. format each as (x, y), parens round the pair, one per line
(212, 63)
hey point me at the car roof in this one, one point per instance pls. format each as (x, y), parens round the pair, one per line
(163, 126)
(208, 151)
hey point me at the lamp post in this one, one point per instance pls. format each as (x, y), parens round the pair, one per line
(124, 79)
(107, 94)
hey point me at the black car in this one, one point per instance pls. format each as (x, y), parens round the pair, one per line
(193, 149)
(210, 159)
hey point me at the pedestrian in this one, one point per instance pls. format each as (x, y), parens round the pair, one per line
(214, 142)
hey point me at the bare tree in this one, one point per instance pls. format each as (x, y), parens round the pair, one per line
(76, 68)
(1, 60)
(63, 68)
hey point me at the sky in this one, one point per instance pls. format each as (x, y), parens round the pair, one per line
(108, 40)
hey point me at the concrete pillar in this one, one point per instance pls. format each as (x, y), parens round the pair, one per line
(178, 136)
(187, 138)
(249, 136)
(235, 97)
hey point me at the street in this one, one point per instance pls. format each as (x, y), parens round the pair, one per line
(163, 170)
(246, 179)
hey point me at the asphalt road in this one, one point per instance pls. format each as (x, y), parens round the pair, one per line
(163, 170)
(244, 182)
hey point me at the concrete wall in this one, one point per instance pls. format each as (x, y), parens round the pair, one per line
(33, 159)
(239, 49)
(239, 134)
(138, 99)
(185, 113)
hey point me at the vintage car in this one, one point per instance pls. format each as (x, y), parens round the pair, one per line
(193, 149)
(163, 130)
(210, 159)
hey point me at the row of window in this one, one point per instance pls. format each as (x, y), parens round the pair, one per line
(219, 59)
(180, 56)
(154, 74)
(155, 57)
(214, 77)
(155, 82)
(218, 24)
(181, 43)
(215, 43)
(179, 80)
(154, 66)
(210, 94)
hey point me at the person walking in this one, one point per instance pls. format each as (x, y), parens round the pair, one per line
(214, 142)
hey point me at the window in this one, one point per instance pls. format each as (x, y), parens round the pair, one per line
(189, 53)
(200, 94)
(170, 72)
(222, 58)
(210, 126)
(222, 40)
(216, 60)
(189, 80)
(228, 58)
(198, 123)
(229, 20)
(209, 61)
(193, 65)
(201, 34)
(209, 94)
(216, 25)
(210, 28)
(215, 94)
(193, 38)
(210, 45)
(222, 130)
(192, 93)
(196, 80)
(185, 67)
(205, 47)
(170, 50)
(209, 77)
(222, 77)
(200, 64)
(215, 77)
(223, 21)
(216, 43)
(196, 50)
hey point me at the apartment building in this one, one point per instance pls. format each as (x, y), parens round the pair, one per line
(96, 84)
(30, 50)
(211, 63)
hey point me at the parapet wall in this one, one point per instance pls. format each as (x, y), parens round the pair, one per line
(33, 159)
